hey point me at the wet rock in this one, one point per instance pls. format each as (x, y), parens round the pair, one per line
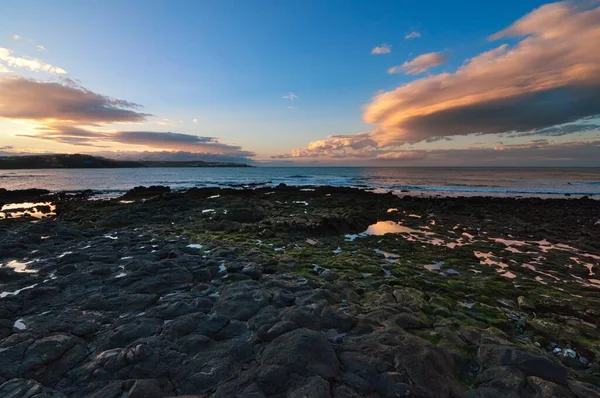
(303, 351)
(27, 388)
(268, 333)
(392, 384)
(129, 332)
(530, 364)
(546, 389)
(242, 301)
(273, 378)
(314, 387)
(339, 321)
(502, 378)
(49, 358)
(145, 192)
(411, 299)
(145, 389)
(584, 390)
(407, 321)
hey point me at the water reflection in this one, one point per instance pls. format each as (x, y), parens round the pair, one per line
(36, 210)
(19, 266)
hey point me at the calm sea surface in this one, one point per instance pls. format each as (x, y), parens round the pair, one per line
(459, 181)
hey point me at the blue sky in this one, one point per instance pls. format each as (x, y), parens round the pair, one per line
(228, 64)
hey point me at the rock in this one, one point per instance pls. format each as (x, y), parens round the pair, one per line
(392, 384)
(546, 389)
(138, 328)
(242, 300)
(51, 357)
(339, 321)
(276, 330)
(485, 392)
(410, 298)
(305, 352)
(525, 304)
(407, 321)
(143, 192)
(27, 388)
(314, 387)
(273, 378)
(145, 389)
(502, 378)
(490, 355)
(584, 390)
(553, 331)
(254, 271)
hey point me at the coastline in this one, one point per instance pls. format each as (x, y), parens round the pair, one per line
(298, 290)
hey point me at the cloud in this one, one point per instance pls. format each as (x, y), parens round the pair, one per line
(28, 63)
(195, 121)
(402, 155)
(420, 64)
(544, 80)
(41, 48)
(538, 153)
(76, 135)
(15, 37)
(68, 113)
(382, 49)
(290, 96)
(412, 35)
(551, 76)
(556, 131)
(26, 99)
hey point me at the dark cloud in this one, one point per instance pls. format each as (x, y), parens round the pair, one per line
(535, 111)
(179, 156)
(436, 139)
(556, 131)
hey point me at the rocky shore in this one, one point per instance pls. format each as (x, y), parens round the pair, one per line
(297, 292)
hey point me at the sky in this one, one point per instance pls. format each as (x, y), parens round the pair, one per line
(304, 82)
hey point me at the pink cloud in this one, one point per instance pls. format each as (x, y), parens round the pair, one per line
(420, 64)
(549, 77)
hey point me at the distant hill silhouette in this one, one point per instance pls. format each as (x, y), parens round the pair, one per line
(77, 161)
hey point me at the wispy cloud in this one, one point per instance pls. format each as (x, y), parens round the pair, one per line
(41, 48)
(382, 49)
(290, 96)
(15, 37)
(412, 35)
(33, 64)
(420, 64)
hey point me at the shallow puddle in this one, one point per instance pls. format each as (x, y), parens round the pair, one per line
(19, 266)
(33, 209)
(16, 292)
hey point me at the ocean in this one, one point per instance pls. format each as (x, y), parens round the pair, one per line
(516, 181)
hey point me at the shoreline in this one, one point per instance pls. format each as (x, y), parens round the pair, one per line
(271, 292)
(429, 193)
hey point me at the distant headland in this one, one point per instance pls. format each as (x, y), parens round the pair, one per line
(77, 161)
